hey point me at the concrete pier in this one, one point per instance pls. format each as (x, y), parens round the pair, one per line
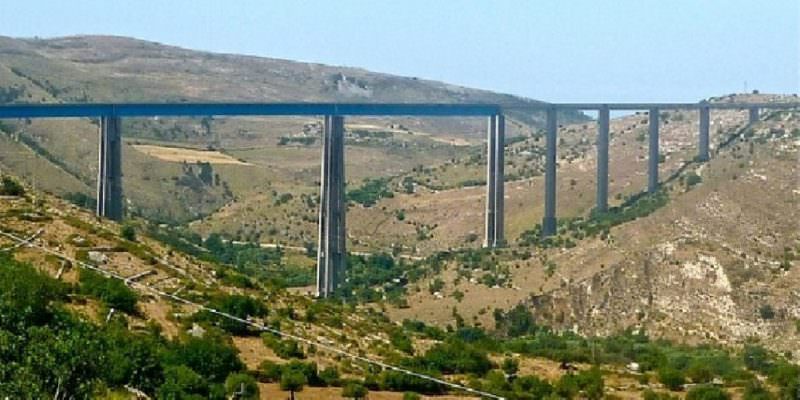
(331, 253)
(549, 220)
(652, 163)
(753, 115)
(602, 159)
(702, 151)
(495, 181)
(109, 171)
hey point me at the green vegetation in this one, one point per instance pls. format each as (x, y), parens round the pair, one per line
(706, 392)
(240, 265)
(239, 306)
(572, 230)
(47, 350)
(301, 140)
(113, 292)
(81, 200)
(354, 390)
(370, 192)
(10, 187)
(128, 232)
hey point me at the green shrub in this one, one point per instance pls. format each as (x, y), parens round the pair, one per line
(766, 312)
(10, 187)
(693, 179)
(370, 192)
(128, 232)
(672, 378)
(113, 292)
(240, 306)
(283, 348)
(241, 386)
(707, 392)
(411, 396)
(753, 390)
(212, 356)
(756, 358)
(354, 390)
(699, 371)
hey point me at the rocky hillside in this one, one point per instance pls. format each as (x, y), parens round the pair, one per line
(278, 155)
(713, 257)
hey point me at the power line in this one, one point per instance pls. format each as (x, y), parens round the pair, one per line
(256, 325)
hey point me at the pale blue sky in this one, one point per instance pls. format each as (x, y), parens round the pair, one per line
(553, 50)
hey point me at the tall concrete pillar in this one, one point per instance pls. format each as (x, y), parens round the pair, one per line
(331, 253)
(753, 115)
(602, 159)
(500, 181)
(109, 172)
(495, 182)
(491, 164)
(702, 151)
(652, 171)
(549, 220)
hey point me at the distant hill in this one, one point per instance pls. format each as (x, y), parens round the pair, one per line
(110, 68)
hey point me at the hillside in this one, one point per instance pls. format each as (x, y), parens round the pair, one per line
(284, 152)
(712, 258)
(160, 325)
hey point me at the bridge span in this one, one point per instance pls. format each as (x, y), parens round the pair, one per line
(331, 253)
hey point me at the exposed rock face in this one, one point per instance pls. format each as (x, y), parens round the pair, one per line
(718, 263)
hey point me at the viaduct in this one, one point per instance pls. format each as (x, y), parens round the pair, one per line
(331, 253)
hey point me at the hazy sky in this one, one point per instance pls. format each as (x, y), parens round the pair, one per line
(553, 50)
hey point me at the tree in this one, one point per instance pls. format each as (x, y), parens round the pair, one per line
(329, 376)
(128, 232)
(211, 356)
(755, 358)
(354, 390)
(411, 396)
(706, 392)
(270, 371)
(671, 378)
(241, 387)
(10, 187)
(510, 366)
(699, 371)
(180, 382)
(293, 381)
(113, 292)
(753, 390)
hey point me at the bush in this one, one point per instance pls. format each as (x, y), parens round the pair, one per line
(241, 386)
(457, 357)
(699, 371)
(212, 356)
(283, 348)
(293, 381)
(330, 376)
(128, 232)
(113, 292)
(766, 312)
(754, 391)
(706, 392)
(672, 378)
(354, 390)
(756, 358)
(370, 192)
(10, 187)
(269, 371)
(651, 395)
(240, 306)
(411, 396)
(693, 179)
(181, 382)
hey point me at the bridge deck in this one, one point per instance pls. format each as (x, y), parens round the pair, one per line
(341, 109)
